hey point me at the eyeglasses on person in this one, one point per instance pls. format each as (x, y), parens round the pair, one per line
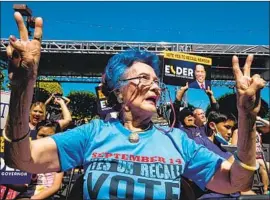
(144, 80)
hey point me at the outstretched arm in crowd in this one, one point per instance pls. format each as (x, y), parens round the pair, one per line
(66, 113)
(213, 101)
(49, 99)
(23, 73)
(239, 174)
(180, 93)
(177, 104)
(67, 100)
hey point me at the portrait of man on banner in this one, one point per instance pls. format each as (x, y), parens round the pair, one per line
(180, 68)
(200, 74)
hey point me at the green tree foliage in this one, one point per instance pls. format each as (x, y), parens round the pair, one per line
(3, 66)
(43, 89)
(227, 104)
(2, 77)
(83, 104)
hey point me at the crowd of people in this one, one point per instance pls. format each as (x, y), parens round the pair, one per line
(128, 156)
(43, 122)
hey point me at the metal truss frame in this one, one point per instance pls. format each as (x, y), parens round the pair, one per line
(110, 47)
(74, 79)
(84, 79)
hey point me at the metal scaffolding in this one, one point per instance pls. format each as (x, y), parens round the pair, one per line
(67, 47)
(85, 79)
(110, 47)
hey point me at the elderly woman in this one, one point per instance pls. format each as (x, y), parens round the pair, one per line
(128, 157)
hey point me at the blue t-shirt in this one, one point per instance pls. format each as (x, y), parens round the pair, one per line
(115, 168)
(212, 147)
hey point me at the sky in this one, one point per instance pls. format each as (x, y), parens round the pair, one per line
(187, 22)
(179, 22)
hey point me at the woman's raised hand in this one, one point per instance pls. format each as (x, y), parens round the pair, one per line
(248, 87)
(24, 53)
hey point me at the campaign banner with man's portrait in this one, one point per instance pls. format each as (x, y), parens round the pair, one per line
(180, 68)
(9, 175)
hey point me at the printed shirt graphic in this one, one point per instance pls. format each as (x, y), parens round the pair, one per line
(259, 150)
(39, 182)
(115, 168)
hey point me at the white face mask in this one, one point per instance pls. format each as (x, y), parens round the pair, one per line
(219, 137)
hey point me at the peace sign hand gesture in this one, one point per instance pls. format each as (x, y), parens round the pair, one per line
(23, 53)
(248, 88)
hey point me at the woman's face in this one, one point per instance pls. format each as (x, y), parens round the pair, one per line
(36, 115)
(140, 96)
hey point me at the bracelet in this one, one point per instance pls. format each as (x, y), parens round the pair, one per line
(14, 140)
(245, 166)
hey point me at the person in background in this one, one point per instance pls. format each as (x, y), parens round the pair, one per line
(54, 109)
(187, 124)
(197, 119)
(45, 185)
(220, 127)
(55, 95)
(64, 118)
(37, 114)
(219, 130)
(113, 151)
(264, 129)
(260, 157)
(199, 114)
(263, 125)
(200, 76)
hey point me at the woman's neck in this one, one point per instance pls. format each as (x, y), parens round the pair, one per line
(32, 126)
(134, 123)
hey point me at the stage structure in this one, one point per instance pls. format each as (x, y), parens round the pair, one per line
(84, 61)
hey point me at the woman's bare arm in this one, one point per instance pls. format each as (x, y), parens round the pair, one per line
(20, 153)
(66, 114)
(66, 99)
(49, 99)
(233, 177)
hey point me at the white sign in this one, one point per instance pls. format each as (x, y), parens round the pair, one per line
(5, 96)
